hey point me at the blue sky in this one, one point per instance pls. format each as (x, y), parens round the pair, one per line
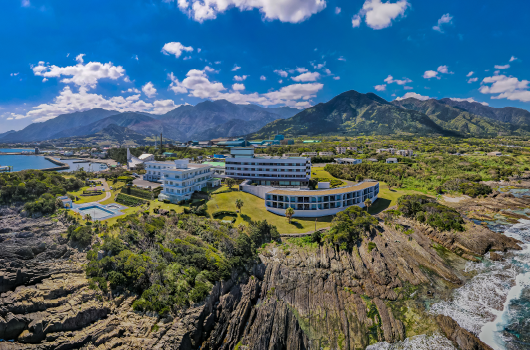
(63, 56)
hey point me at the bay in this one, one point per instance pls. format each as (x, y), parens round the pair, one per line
(20, 162)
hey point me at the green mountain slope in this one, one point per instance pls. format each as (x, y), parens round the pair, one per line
(459, 120)
(353, 113)
(110, 135)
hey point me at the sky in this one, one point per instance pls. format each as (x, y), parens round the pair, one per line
(62, 56)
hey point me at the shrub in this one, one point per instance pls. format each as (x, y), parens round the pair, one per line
(426, 209)
(371, 246)
(129, 200)
(81, 235)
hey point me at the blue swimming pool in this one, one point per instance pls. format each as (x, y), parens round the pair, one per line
(96, 212)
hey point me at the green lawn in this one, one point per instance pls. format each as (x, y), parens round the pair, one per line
(86, 199)
(254, 209)
(388, 198)
(320, 172)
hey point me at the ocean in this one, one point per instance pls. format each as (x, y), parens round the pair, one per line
(25, 162)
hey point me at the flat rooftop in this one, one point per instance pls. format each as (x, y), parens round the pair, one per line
(340, 190)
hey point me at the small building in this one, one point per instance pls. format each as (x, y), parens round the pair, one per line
(218, 168)
(495, 154)
(205, 144)
(373, 160)
(37, 150)
(220, 139)
(147, 157)
(287, 142)
(66, 202)
(326, 154)
(311, 141)
(169, 154)
(291, 154)
(342, 150)
(349, 161)
(405, 153)
(388, 150)
(309, 154)
(391, 160)
(235, 143)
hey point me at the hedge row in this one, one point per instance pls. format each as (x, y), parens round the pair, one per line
(224, 213)
(137, 192)
(129, 200)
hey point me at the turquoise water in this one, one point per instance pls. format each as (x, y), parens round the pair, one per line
(26, 162)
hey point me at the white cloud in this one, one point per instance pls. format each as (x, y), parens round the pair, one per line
(356, 21)
(293, 11)
(469, 99)
(149, 90)
(240, 78)
(301, 70)
(236, 67)
(26, 3)
(337, 10)
(413, 95)
(14, 74)
(135, 90)
(319, 65)
(341, 58)
(175, 48)
(86, 75)
(263, 77)
(280, 81)
(378, 14)
(434, 74)
(308, 76)
(445, 19)
(69, 101)
(391, 80)
(79, 58)
(506, 87)
(199, 50)
(198, 84)
(217, 62)
(135, 57)
(513, 58)
(237, 87)
(281, 73)
(336, 78)
(472, 80)
(408, 87)
(381, 87)
(444, 70)
(44, 80)
(506, 66)
(469, 74)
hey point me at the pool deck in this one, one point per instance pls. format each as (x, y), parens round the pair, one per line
(112, 209)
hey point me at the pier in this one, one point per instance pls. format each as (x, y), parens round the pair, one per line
(6, 169)
(62, 166)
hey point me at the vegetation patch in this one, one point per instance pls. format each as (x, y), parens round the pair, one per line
(129, 200)
(425, 209)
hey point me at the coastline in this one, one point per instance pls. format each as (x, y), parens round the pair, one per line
(62, 166)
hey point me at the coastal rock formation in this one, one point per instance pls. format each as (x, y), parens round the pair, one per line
(465, 339)
(299, 297)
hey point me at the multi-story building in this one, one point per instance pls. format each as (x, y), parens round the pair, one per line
(180, 179)
(268, 170)
(309, 154)
(404, 152)
(342, 150)
(350, 161)
(326, 154)
(154, 170)
(388, 150)
(319, 203)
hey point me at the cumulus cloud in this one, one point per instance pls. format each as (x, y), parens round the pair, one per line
(336, 78)
(86, 75)
(240, 77)
(14, 74)
(469, 99)
(292, 11)
(198, 84)
(381, 87)
(149, 90)
(413, 95)
(237, 87)
(69, 101)
(263, 77)
(408, 87)
(337, 10)
(281, 73)
(513, 58)
(308, 76)
(472, 80)
(445, 19)
(319, 65)
(391, 80)
(469, 74)
(236, 67)
(175, 48)
(434, 74)
(506, 66)
(135, 90)
(510, 88)
(341, 58)
(378, 14)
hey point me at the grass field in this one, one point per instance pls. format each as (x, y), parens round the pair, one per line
(388, 198)
(86, 199)
(254, 209)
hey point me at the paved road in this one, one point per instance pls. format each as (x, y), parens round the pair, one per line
(107, 190)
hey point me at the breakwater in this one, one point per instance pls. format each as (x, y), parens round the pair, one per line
(61, 165)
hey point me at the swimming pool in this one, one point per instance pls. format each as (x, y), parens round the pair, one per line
(96, 212)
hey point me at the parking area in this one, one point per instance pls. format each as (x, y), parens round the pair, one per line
(145, 184)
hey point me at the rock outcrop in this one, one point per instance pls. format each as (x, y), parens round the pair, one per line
(465, 339)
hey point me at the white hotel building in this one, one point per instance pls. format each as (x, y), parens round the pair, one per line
(180, 178)
(268, 170)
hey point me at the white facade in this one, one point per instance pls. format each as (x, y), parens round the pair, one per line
(342, 150)
(351, 161)
(326, 154)
(268, 171)
(391, 160)
(319, 203)
(147, 157)
(153, 170)
(389, 150)
(181, 179)
(404, 152)
(309, 154)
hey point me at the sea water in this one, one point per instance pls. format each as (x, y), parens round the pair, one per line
(20, 162)
(495, 304)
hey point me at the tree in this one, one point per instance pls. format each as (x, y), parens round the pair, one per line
(88, 217)
(230, 182)
(239, 204)
(289, 212)
(368, 203)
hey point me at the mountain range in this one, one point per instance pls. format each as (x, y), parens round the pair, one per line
(109, 136)
(206, 120)
(354, 113)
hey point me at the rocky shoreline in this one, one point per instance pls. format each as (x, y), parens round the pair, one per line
(298, 297)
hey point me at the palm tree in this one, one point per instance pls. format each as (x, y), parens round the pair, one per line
(88, 217)
(289, 212)
(239, 204)
(368, 203)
